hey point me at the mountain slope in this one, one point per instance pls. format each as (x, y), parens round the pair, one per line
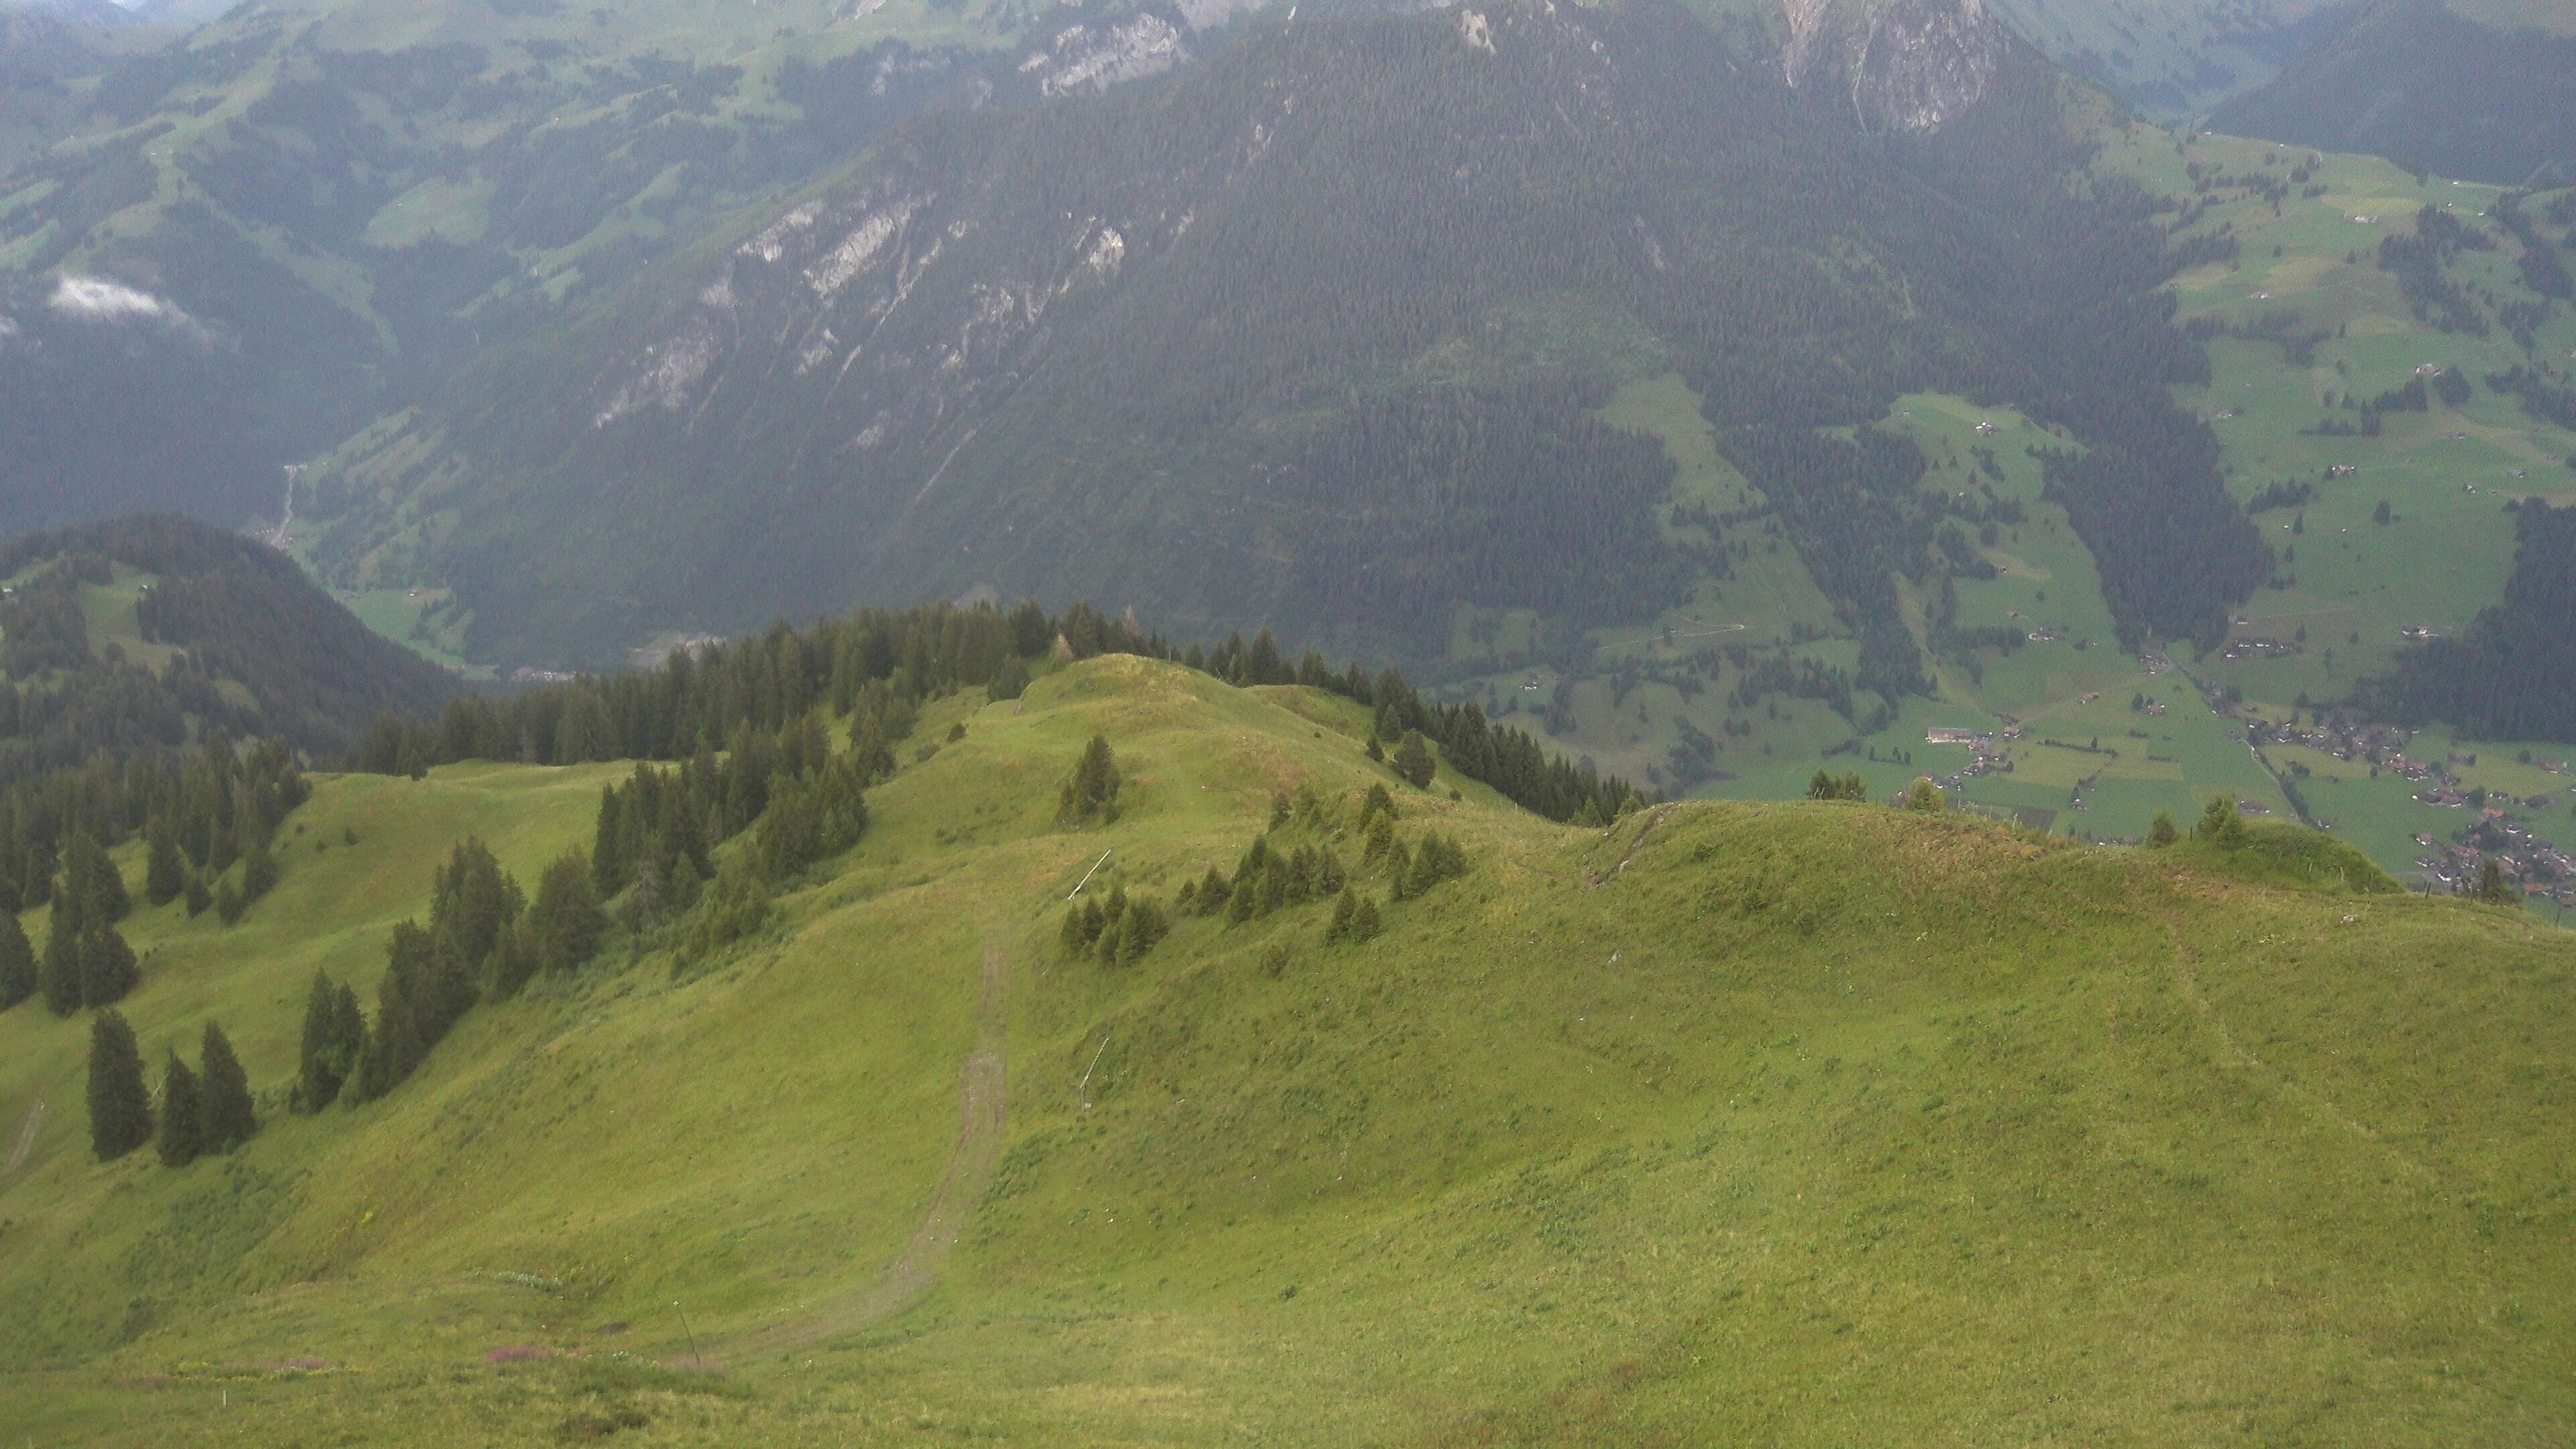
(2488, 94)
(147, 631)
(1820, 1124)
(353, 194)
(1257, 326)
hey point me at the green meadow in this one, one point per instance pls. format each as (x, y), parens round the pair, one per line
(1807, 1124)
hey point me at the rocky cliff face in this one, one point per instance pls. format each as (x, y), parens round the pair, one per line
(1909, 65)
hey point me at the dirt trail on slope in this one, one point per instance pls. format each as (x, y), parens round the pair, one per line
(26, 1139)
(2187, 978)
(983, 1091)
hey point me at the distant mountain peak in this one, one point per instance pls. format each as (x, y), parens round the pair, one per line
(1910, 65)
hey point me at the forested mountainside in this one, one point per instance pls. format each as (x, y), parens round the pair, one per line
(1257, 326)
(2512, 673)
(146, 633)
(1141, 1057)
(2173, 59)
(2485, 91)
(349, 197)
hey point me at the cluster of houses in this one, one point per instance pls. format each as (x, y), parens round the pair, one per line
(2257, 646)
(1986, 754)
(2539, 869)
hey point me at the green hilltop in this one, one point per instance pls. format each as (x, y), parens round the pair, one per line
(1811, 1123)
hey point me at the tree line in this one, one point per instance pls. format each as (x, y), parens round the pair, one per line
(258, 649)
(877, 665)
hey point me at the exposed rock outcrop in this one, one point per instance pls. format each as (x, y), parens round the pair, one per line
(1909, 65)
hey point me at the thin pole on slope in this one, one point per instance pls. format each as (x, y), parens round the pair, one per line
(1087, 1071)
(691, 1332)
(1088, 874)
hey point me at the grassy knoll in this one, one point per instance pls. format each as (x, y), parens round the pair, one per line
(1807, 1124)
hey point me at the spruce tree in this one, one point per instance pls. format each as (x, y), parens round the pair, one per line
(1365, 922)
(120, 1105)
(259, 871)
(1072, 938)
(1091, 793)
(2162, 833)
(107, 967)
(566, 920)
(199, 897)
(60, 977)
(1346, 910)
(92, 883)
(1427, 861)
(231, 1118)
(322, 1063)
(183, 1114)
(17, 962)
(1413, 761)
(2220, 824)
(2492, 886)
(165, 876)
(609, 866)
(229, 903)
(514, 960)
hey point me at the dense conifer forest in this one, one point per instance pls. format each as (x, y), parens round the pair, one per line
(2512, 675)
(1249, 324)
(252, 647)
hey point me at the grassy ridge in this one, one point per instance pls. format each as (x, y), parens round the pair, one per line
(1818, 1124)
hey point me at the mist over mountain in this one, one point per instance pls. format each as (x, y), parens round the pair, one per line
(114, 398)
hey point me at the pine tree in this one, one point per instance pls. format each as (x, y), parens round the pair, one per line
(165, 876)
(1214, 892)
(1413, 761)
(513, 962)
(17, 962)
(92, 883)
(2220, 824)
(323, 1062)
(183, 1114)
(120, 1105)
(2493, 887)
(107, 967)
(1092, 790)
(1427, 862)
(609, 866)
(60, 977)
(1011, 682)
(259, 871)
(1365, 922)
(1142, 927)
(231, 1118)
(566, 920)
